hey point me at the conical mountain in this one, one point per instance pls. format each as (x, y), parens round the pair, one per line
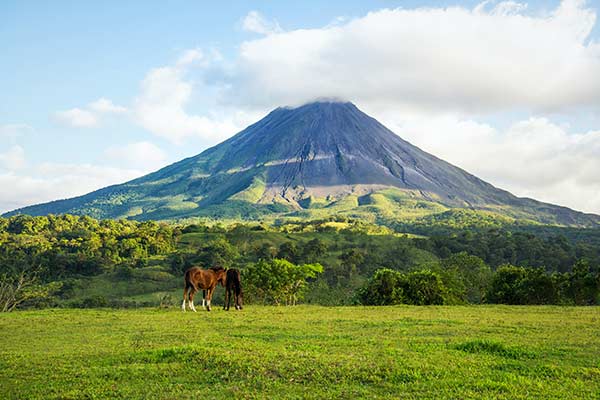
(317, 159)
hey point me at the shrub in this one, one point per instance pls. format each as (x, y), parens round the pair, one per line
(384, 288)
(388, 287)
(279, 281)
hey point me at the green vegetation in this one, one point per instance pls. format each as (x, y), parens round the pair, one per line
(71, 261)
(409, 352)
(507, 285)
(279, 280)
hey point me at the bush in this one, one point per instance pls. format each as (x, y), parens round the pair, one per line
(425, 288)
(279, 281)
(384, 288)
(388, 287)
(519, 285)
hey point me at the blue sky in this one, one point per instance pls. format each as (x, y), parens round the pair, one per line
(96, 93)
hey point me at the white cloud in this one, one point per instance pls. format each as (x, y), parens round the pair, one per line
(531, 158)
(189, 57)
(52, 181)
(90, 116)
(105, 106)
(141, 155)
(13, 158)
(24, 185)
(503, 8)
(257, 23)
(161, 105)
(76, 117)
(470, 61)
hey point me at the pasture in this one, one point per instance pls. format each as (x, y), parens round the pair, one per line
(507, 352)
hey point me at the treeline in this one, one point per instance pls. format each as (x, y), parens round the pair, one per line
(61, 246)
(462, 279)
(553, 251)
(39, 255)
(332, 261)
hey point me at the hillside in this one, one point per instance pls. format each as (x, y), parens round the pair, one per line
(312, 161)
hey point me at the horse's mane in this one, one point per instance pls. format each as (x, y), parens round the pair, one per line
(217, 268)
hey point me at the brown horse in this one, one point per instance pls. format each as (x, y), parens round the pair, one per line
(233, 284)
(201, 279)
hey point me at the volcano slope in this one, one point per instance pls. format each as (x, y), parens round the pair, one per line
(316, 160)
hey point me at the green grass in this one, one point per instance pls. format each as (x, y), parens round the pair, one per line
(303, 352)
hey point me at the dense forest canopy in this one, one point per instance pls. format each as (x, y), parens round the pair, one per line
(79, 261)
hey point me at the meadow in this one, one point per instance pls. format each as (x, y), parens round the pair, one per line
(491, 351)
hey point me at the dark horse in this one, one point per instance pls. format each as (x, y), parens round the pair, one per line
(201, 279)
(233, 284)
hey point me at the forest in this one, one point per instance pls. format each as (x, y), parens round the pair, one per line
(73, 261)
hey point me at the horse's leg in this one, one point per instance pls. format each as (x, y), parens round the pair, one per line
(227, 299)
(203, 298)
(238, 303)
(192, 293)
(208, 297)
(185, 292)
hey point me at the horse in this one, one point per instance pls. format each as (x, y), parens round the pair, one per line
(233, 284)
(196, 279)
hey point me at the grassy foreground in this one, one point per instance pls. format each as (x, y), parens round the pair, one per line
(303, 352)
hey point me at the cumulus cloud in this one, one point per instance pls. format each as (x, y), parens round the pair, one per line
(531, 158)
(91, 115)
(486, 59)
(52, 181)
(77, 118)
(32, 183)
(13, 158)
(165, 92)
(141, 155)
(106, 106)
(257, 23)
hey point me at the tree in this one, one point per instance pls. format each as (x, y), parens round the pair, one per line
(288, 251)
(279, 280)
(504, 287)
(425, 287)
(473, 274)
(352, 260)
(265, 251)
(16, 289)
(313, 250)
(583, 285)
(387, 287)
(218, 252)
(537, 287)
(384, 288)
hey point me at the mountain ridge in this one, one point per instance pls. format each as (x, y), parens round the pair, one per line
(326, 151)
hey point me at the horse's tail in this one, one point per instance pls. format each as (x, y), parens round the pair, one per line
(237, 282)
(188, 281)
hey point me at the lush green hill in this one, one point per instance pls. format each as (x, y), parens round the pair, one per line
(317, 160)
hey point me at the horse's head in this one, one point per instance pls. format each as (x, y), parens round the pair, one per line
(220, 273)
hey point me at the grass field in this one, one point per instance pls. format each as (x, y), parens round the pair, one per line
(303, 352)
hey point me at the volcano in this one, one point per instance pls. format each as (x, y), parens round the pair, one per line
(318, 159)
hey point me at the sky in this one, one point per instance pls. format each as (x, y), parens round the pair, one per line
(98, 93)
